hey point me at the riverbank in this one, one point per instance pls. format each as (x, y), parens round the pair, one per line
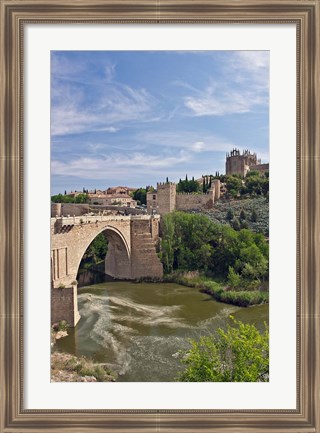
(69, 368)
(218, 290)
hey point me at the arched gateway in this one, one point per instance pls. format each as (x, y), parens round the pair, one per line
(131, 254)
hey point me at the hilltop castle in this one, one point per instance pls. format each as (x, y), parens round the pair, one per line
(166, 199)
(237, 163)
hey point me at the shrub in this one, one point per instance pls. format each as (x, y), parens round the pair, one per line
(238, 354)
(243, 215)
(236, 225)
(63, 325)
(230, 215)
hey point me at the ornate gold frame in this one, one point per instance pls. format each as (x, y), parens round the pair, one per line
(14, 15)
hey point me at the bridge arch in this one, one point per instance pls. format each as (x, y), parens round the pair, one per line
(118, 258)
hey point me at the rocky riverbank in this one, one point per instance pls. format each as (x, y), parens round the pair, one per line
(69, 368)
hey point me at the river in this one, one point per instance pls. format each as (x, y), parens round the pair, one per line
(138, 329)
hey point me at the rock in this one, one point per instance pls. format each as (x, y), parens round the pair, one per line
(61, 334)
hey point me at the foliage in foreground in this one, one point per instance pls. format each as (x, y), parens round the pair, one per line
(239, 354)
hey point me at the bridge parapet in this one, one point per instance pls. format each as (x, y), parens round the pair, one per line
(85, 219)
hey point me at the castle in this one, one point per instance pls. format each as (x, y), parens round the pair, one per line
(237, 163)
(166, 199)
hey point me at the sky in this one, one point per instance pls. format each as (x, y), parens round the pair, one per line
(134, 118)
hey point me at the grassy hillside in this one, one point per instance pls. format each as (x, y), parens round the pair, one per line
(260, 205)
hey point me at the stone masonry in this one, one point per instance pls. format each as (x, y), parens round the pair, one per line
(131, 254)
(166, 199)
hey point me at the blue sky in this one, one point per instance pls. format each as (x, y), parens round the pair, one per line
(133, 118)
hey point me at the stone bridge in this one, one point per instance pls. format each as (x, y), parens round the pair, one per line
(131, 254)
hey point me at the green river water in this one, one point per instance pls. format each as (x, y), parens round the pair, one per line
(138, 329)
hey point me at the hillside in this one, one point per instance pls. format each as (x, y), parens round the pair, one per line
(259, 204)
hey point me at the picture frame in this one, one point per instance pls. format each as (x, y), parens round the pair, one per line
(305, 14)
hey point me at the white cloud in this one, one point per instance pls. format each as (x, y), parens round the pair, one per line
(77, 111)
(189, 141)
(84, 101)
(244, 87)
(117, 165)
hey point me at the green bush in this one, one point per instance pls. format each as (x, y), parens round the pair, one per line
(238, 354)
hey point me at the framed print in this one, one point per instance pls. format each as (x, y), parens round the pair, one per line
(152, 125)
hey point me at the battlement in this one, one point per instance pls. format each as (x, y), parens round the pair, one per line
(165, 185)
(209, 192)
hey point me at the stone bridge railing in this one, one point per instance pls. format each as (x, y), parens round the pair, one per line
(84, 219)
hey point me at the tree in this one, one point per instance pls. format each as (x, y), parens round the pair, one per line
(236, 224)
(234, 279)
(97, 250)
(238, 354)
(193, 242)
(252, 173)
(168, 243)
(190, 186)
(82, 198)
(254, 216)
(244, 224)
(243, 215)
(233, 184)
(140, 195)
(61, 198)
(230, 215)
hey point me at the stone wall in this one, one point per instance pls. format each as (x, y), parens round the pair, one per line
(64, 305)
(166, 199)
(144, 259)
(155, 229)
(152, 202)
(55, 209)
(74, 209)
(216, 185)
(262, 168)
(77, 209)
(117, 261)
(195, 201)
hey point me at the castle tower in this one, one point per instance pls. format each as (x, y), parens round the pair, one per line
(239, 164)
(166, 197)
